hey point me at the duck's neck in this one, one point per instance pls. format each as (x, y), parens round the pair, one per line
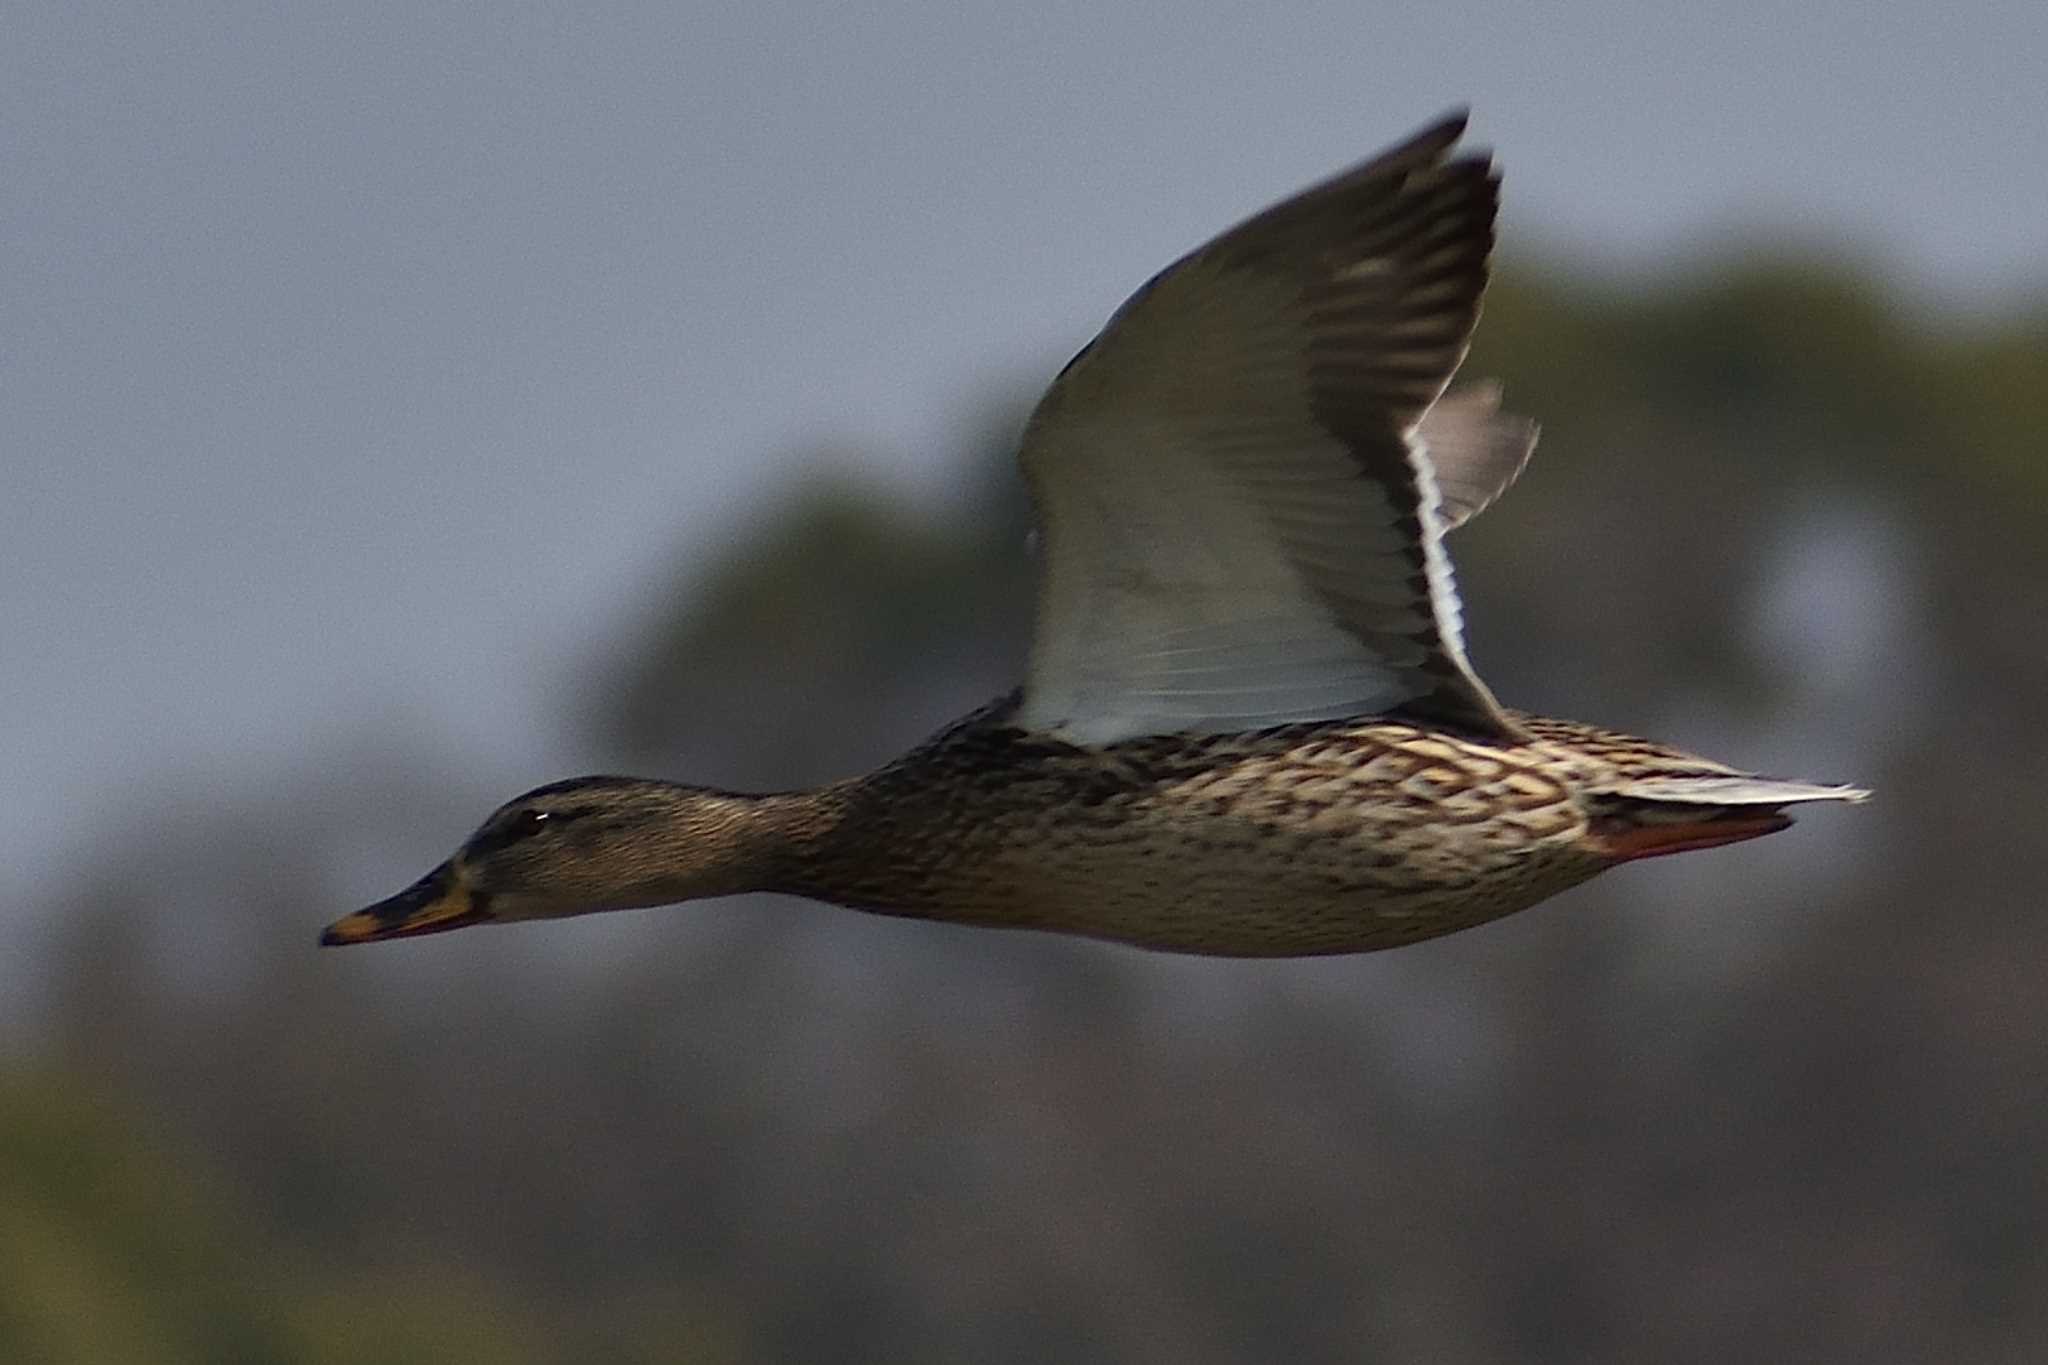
(700, 842)
(864, 843)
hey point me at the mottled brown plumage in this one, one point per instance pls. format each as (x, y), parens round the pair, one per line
(1331, 837)
(1249, 726)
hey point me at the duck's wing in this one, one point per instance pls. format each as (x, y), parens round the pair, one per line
(1242, 525)
(1474, 449)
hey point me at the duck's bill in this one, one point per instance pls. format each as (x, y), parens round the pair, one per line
(434, 904)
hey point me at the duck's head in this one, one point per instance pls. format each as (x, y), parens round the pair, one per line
(571, 848)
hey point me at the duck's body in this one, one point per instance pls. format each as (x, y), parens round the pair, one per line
(1328, 837)
(1249, 727)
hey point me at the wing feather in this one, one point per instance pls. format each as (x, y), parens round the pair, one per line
(1242, 523)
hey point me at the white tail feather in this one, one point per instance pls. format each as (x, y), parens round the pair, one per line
(1735, 789)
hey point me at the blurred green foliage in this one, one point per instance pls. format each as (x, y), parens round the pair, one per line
(113, 1249)
(1780, 1104)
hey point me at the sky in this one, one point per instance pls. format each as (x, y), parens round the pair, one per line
(362, 367)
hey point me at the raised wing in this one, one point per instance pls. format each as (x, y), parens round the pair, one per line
(1241, 524)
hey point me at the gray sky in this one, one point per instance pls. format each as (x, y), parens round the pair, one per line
(359, 364)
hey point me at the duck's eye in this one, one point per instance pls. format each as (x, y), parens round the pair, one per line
(510, 830)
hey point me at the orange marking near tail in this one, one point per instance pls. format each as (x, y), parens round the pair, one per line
(1627, 842)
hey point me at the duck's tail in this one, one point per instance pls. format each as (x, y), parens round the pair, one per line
(1646, 817)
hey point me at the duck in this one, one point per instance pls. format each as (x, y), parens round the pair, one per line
(1248, 726)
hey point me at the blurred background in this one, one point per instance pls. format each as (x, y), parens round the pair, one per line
(403, 406)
